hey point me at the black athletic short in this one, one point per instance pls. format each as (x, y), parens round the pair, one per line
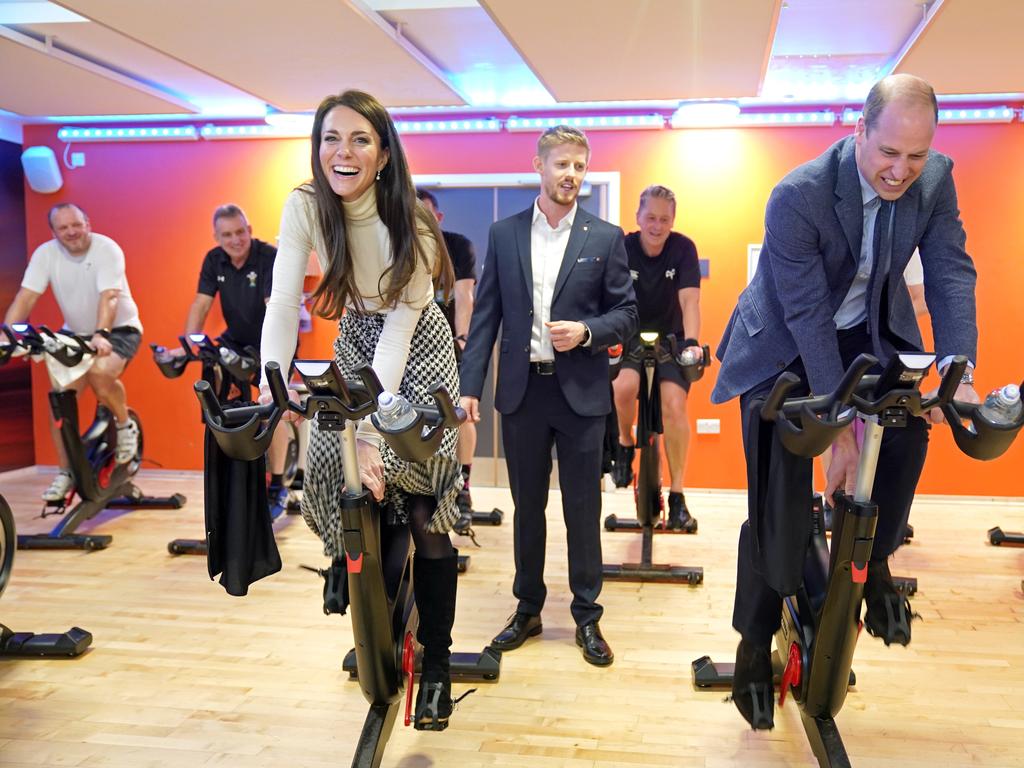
(125, 341)
(668, 369)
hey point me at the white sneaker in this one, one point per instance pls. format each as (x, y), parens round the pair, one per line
(59, 488)
(127, 442)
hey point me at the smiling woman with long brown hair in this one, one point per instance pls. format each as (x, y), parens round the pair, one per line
(377, 247)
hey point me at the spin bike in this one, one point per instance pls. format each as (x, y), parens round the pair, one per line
(650, 504)
(821, 622)
(384, 617)
(231, 375)
(98, 480)
(74, 642)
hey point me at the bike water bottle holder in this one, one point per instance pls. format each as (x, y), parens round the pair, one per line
(420, 441)
(171, 366)
(692, 371)
(988, 440)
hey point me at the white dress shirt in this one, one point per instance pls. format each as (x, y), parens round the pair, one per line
(547, 247)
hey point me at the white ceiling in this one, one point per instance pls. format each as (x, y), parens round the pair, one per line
(223, 58)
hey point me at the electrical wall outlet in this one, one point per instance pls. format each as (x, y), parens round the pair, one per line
(708, 426)
(77, 159)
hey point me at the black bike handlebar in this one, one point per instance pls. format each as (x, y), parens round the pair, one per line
(34, 341)
(808, 425)
(333, 400)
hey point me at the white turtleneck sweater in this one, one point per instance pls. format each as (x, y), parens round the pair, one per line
(370, 248)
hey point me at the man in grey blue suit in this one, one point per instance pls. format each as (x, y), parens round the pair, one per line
(556, 282)
(821, 296)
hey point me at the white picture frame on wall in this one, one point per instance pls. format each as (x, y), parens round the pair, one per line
(753, 253)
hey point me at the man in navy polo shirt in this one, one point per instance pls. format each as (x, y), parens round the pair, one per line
(240, 269)
(666, 279)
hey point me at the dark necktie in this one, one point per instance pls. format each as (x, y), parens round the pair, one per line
(882, 258)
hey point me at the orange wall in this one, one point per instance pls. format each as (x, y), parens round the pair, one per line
(156, 199)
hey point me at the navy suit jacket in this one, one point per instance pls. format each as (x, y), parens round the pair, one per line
(593, 286)
(813, 229)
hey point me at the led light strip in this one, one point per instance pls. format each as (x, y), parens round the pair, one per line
(587, 122)
(472, 125)
(177, 133)
(1001, 114)
(760, 119)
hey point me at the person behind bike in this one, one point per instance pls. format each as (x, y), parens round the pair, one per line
(458, 309)
(377, 246)
(240, 269)
(839, 232)
(666, 279)
(86, 271)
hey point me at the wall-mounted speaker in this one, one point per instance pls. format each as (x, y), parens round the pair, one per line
(41, 169)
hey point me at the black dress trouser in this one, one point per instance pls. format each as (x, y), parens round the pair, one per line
(757, 609)
(545, 418)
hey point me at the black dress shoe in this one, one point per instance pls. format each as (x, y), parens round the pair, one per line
(753, 691)
(595, 650)
(520, 627)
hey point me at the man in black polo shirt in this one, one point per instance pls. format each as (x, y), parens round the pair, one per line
(459, 310)
(666, 279)
(240, 269)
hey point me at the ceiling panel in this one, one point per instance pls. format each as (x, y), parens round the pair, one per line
(101, 44)
(289, 54)
(826, 50)
(468, 46)
(50, 84)
(584, 50)
(971, 46)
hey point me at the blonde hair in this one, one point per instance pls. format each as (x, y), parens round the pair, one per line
(557, 135)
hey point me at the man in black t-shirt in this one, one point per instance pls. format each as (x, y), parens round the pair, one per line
(459, 309)
(666, 279)
(240, 269)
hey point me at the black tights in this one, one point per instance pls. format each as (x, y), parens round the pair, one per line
(429, 546)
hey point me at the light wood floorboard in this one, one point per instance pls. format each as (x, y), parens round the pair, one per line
(181, 674)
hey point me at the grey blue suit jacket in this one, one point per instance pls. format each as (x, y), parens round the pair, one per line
(813, 230)
(593, 286)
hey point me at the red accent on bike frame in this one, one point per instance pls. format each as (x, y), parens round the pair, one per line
(354, 564)
(791, 675)
(103, 478)
(408, 669)
(859, 575)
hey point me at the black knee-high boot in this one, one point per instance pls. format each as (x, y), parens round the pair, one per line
(435, 583)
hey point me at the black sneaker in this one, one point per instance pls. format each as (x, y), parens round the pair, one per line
(433, 703)
(753, 690)
(887, 611)
(679, 517)
(622, 474)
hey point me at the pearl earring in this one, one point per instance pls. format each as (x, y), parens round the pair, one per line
(378, 175)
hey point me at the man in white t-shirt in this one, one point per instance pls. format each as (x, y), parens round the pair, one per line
(86, 272)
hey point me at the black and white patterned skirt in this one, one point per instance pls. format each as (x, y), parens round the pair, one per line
(431, 359)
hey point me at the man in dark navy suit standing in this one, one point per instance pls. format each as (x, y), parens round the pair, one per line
(556, 281)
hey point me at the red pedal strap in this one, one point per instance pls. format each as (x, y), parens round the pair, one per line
(858, 574)
(408, 668)
(354, 564)
(791, 675)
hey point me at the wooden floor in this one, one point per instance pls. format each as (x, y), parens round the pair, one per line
(181, 674)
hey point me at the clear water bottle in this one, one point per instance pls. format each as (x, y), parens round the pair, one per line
(228, 356)
(1003, 405)
(394, 412)
(688, 357)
